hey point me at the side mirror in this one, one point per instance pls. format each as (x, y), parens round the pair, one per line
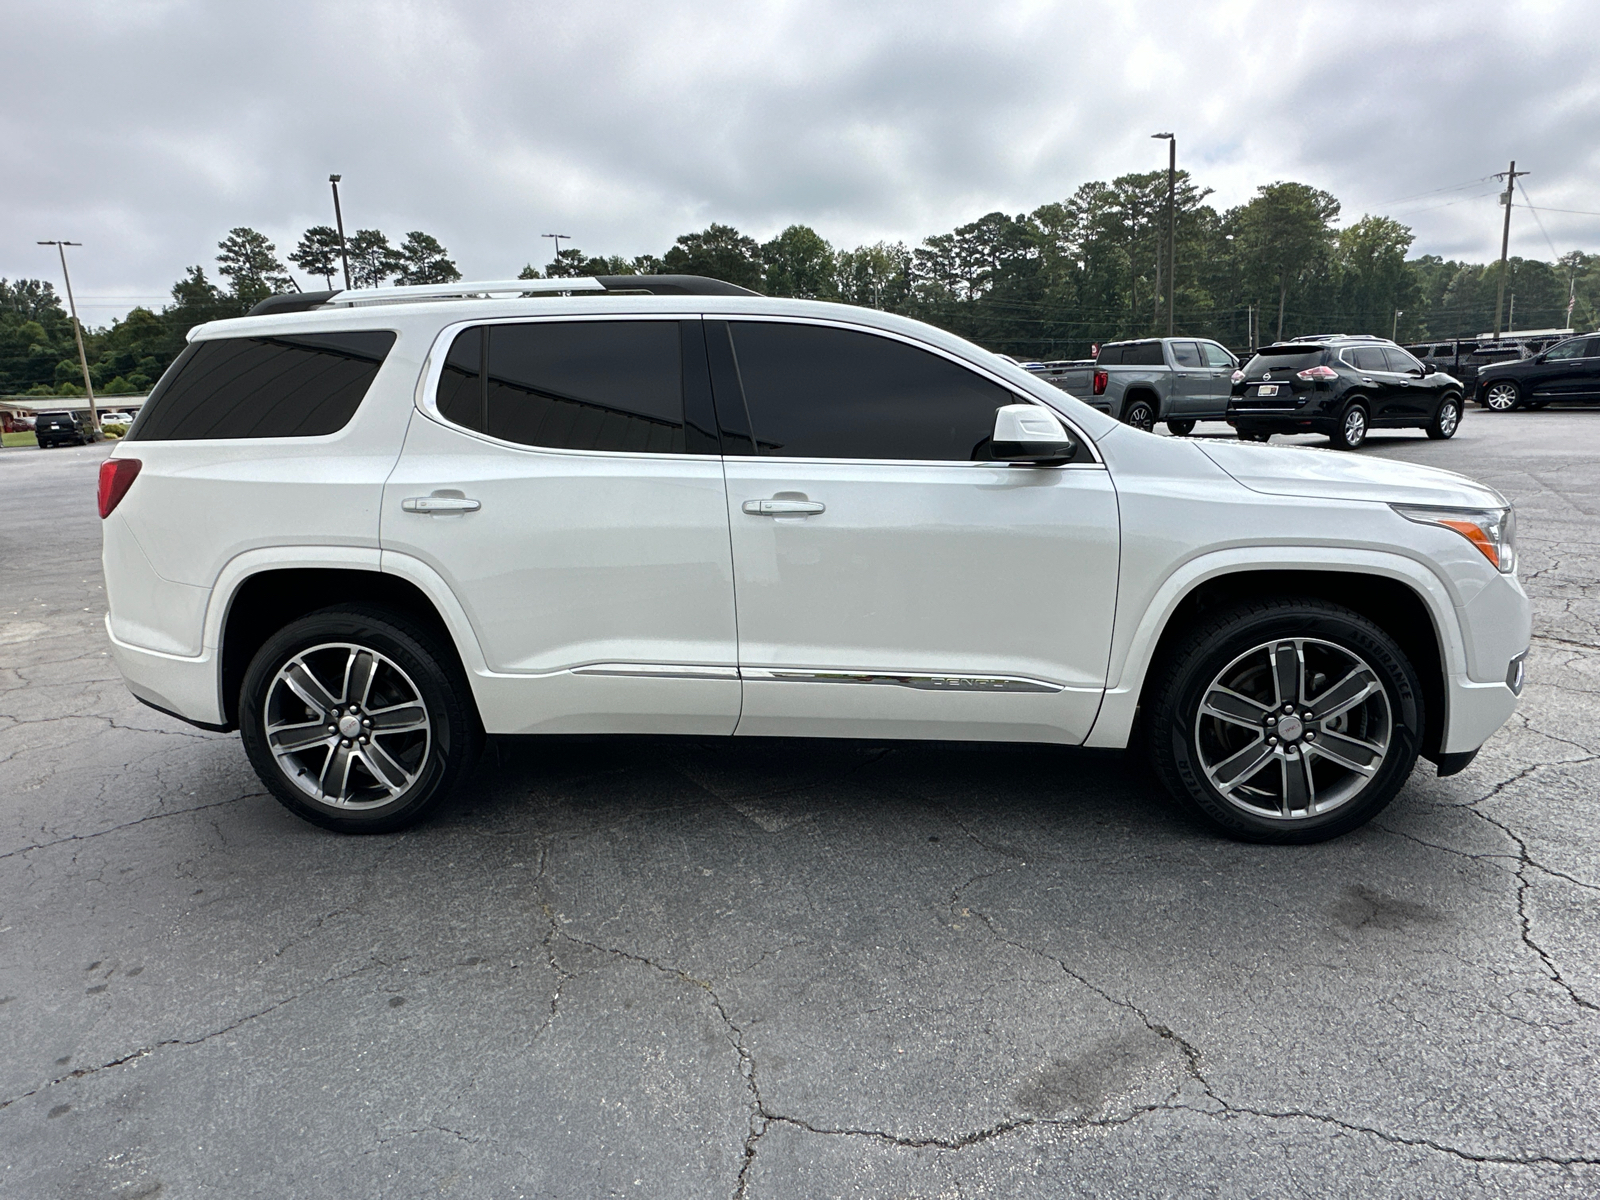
(1540, 357)
(1029, 433)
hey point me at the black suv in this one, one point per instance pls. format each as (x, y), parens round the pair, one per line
(1341, 385)
(61, 429)
(1569, 370)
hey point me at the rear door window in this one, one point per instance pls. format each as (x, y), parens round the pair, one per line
(613, 386)
(816, 391)
(291, 385)
(1186, 354)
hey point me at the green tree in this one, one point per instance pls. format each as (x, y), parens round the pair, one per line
(718, 252)
(574, 263)
(318, 253)
(251, 264)
(372, 259)
(1288, 237)
(424, 260)
(1374, 283)
(875, 276)
(799, 262)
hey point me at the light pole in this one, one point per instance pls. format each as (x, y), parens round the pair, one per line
(338, 219)
(77, 332)
(1172, 223)
(557, 238)
(1394, 330)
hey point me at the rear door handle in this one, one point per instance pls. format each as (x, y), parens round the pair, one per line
(783, 508)
(439, 504)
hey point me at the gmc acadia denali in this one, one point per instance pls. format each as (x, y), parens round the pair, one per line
(366, 528)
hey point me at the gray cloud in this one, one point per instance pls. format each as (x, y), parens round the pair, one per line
(146, 130)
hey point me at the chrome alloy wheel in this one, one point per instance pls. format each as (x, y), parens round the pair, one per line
(1355, 426)
(1449, 417)
(347, 726)
(1293, 729)
(1501, 397)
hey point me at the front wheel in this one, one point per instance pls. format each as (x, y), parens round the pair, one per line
(1447, 420)
(1287, 720)
(1352, 430)
(357, 719)
(1140, 415)
(1179, 428)
(1502, 397)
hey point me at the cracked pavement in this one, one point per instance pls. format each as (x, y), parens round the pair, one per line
(647, 967)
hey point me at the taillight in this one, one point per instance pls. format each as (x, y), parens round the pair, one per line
(1100, 380)
(1317, 374)
(1238, 377)
(116, 477)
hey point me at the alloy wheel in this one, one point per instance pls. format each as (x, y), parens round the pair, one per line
(1141, 416)
(1355, 426)
(347, 725)
(1449, 417)
(1501, 397)
(1293, 729)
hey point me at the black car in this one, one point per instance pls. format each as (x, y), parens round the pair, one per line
(61, 429)
(1341, 385)
(1569, 370)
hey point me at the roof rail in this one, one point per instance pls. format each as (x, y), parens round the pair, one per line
(655, 285)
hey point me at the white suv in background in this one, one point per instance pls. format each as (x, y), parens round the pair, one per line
(366, 528)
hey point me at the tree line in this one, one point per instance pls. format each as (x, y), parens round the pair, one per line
(1050, 283)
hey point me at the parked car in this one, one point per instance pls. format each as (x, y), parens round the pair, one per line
(1341, 385)
(1176, 380)
(62, 429)
(1569, 370)
(367, 533)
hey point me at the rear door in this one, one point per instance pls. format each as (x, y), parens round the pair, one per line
(1377, 380)
(892, 580)
(560, 482)
(1191, 381)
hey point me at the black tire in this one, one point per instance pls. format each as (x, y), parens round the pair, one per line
(1254, 435)
(1141, 414)
(1183, 738)
(1503, 395)
(1179, 428)
(386, 785)
(1534, 405)
(1352, 428)
(1446, 419)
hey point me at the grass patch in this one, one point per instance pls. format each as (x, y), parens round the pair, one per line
(23, 438)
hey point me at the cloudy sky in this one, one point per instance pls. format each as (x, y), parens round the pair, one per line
(147, 128)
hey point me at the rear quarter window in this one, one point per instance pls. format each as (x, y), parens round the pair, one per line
(291, 385)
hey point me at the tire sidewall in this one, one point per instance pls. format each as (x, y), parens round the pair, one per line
(1177, 757)
(1133, 409)
(1339, 438)
(1516, 396)
(1437, 427)
(451, 742)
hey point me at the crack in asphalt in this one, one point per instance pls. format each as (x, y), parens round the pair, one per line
(165, 1043)
(85, 837)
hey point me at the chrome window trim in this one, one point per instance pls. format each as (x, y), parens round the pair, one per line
(433, 367)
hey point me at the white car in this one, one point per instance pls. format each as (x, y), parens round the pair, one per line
(367, 528)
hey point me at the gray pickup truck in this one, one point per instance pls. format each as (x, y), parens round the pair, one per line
(1176, 380)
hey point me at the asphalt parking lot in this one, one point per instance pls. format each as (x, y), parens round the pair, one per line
(650, 968)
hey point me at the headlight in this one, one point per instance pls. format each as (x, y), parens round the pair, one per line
(1492, 530)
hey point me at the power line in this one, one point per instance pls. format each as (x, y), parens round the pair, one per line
(1581, 212)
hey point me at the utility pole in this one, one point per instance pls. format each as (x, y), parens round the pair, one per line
(77, 332)
(1172, 224)
(338, 219)
(1394, 330)
(1510, 177)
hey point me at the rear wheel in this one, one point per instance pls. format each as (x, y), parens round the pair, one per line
(1287, 720)
(357, 719)
(1446, 420)
(1180, 428)
(1352, 430)
(1502, 397)
(1140, 414)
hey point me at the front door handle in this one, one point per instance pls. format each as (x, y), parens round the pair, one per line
(783, 508)
(439, 504)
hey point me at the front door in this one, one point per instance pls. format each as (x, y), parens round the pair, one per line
(891, 579)
(1220, 366)
(557, 484)
(1567, 372)
(1413, 395)
(1192, 390)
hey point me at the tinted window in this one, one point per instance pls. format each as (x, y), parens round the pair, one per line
(1109, 356)
(1572, 348)
(569, 385)
(1186, 354)
(1282, 359)
(818, 392)
(1216, 356)
(295, 385)
(1143, 354)
(1400, 361)
(1367, 358)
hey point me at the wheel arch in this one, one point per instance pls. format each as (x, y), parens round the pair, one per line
(1393, 596)
(264, 601)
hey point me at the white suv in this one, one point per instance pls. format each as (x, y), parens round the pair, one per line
(366, 528)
